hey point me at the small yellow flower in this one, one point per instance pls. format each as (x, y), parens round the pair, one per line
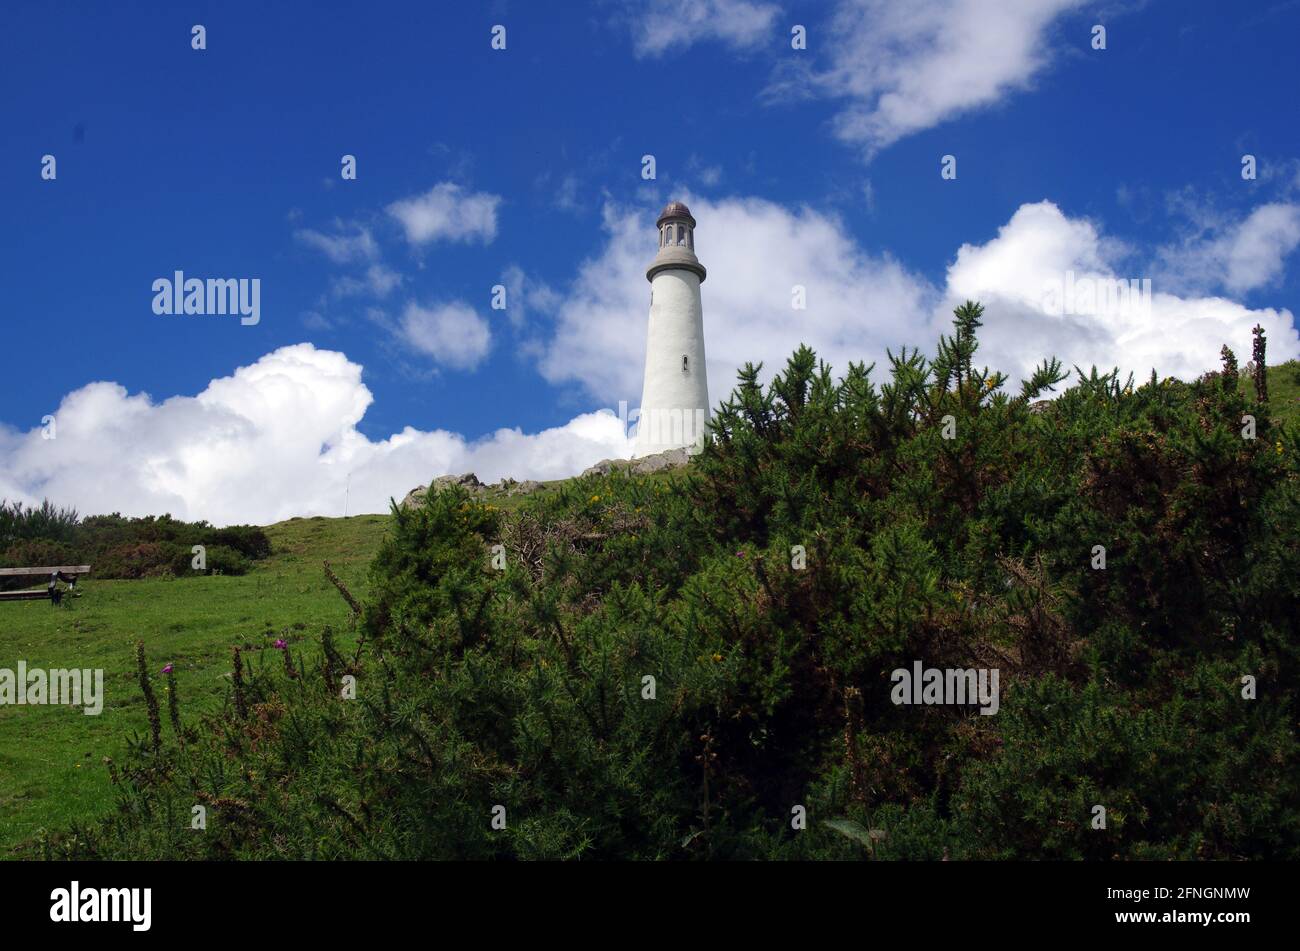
(717, 657)
(595, 498)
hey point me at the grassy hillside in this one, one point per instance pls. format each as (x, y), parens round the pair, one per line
(51, 758)
(1283, 390)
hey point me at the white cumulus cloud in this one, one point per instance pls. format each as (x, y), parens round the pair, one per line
(858, 304)
(341, 248)
(1040, 254)
(1239, 255)
(451, 335)
(1260, 245)
(447, 212)
(659, 25)
(904, 67)
(275, 439)
(757, 254)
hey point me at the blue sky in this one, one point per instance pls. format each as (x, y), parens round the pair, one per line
(523, 167)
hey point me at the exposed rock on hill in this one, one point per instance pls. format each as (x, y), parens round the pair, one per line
(670, 459)
(469, 481)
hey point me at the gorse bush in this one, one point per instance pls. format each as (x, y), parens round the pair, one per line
(674, 666)
(118, 547)
(49, 523)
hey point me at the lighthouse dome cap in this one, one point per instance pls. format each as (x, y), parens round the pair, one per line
(676, 209)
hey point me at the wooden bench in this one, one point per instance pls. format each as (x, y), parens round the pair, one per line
(65, 573)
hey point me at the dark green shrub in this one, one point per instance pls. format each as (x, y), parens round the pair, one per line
(118, 547)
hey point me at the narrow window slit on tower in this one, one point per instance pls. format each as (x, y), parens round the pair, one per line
(683, 363)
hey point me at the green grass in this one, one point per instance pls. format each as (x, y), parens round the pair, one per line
(1283, 390)
(51, 757)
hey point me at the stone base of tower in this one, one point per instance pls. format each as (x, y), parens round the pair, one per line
(659, 430)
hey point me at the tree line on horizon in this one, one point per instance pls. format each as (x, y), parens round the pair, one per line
(120, 547)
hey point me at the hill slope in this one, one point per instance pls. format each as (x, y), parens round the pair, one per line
(51, 758)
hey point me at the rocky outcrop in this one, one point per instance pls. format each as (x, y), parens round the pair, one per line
(670, 459)
(511, 487)
(469, 481)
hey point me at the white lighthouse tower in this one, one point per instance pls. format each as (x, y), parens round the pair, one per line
(675, 397)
